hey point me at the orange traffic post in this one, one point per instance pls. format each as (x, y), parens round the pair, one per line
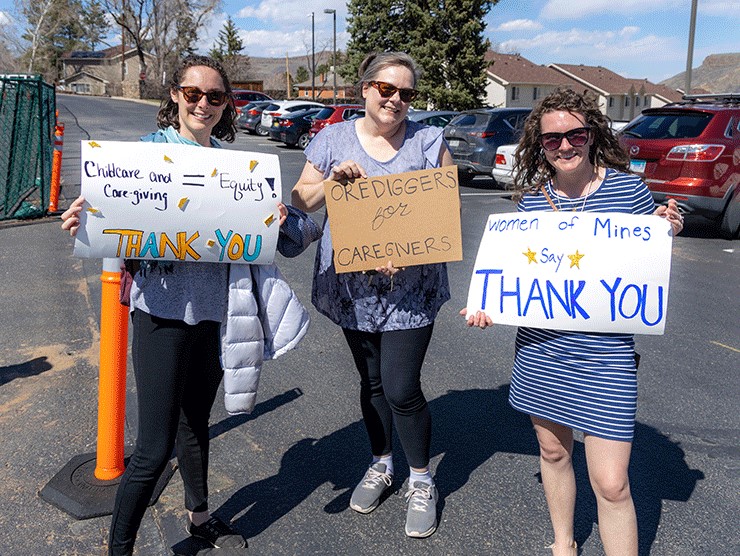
(56, 167)
(112, 380)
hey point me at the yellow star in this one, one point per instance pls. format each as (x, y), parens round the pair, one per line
(530, 255)
(575, 259)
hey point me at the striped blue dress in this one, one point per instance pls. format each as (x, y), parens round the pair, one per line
(583, 380)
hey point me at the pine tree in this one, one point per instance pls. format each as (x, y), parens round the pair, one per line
(445, 38)
(229, 43)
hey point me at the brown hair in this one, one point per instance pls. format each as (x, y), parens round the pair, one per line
(168, 111)
(375, 62)
(533, 168)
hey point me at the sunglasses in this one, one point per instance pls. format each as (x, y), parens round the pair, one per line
(576, 137)
(194, 94)
(387, 90)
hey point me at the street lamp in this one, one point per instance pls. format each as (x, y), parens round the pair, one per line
(313, 60)
(334, 54)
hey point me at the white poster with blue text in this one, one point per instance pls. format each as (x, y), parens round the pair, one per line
(164, 201)
(587, 271)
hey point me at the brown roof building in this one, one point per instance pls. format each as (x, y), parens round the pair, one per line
(514, 81)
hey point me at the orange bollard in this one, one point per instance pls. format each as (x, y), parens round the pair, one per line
(56, 167)
(112, 382)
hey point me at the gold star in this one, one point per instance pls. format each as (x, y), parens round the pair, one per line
(575, 259)
(530, 255)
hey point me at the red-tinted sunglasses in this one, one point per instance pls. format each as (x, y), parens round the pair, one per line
(576, 137)
(194, 94)
(387, 90)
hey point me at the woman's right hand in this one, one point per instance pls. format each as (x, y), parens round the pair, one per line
(308, 193)
(479, 319)
(71, 216)
(347, 170)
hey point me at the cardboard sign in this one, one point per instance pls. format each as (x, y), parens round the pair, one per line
(408, 219)
(164, 201)
(588, 271)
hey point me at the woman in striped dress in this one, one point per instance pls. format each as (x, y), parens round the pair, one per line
(568, 159)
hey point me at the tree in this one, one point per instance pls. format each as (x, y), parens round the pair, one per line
(227, 50)
(301, 74)
(445, 38)
(94, 24)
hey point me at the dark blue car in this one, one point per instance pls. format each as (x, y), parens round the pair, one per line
(292, 129)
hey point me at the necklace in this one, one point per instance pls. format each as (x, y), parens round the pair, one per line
(573, 208)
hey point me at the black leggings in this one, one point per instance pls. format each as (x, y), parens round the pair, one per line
(390, 388)
(178, 373)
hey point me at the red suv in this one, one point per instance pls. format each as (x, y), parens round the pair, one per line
(333, 114)
(690, 151)
(242, 97)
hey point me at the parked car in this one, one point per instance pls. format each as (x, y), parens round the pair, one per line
(690, 151)
(474, 136)
(242, 97)
(250, 119)
(503, 171)
(439, 118)
(280, 107)
(292, 129)
(333, 114)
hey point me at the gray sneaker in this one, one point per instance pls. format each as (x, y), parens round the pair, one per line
(366, 496)
(421, 511)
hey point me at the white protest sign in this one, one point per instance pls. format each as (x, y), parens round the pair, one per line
(596, 272)
(164, 201)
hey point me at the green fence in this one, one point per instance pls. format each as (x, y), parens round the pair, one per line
(27, 119)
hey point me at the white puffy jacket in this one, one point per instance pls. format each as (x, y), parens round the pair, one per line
(264, 320)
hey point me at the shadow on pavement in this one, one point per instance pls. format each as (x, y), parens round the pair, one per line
(658, 471)
(22, 370)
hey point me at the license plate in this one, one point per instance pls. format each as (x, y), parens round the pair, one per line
(637, 166)
(454, 142)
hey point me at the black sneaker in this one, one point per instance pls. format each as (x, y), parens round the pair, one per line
(218, 534)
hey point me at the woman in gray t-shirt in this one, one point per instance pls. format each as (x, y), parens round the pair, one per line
(387, 316)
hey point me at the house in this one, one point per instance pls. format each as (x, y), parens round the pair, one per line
(324, 87)
(655, 96)
(514, 81)
(109, 72)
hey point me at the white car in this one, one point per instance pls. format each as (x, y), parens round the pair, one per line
(280, 107)
(503, 170)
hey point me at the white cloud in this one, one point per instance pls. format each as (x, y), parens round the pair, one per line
(519, 25)
(721, 8)
(568, 9)
(629, 31)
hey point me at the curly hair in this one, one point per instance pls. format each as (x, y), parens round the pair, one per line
(529, 159)
(375, 62)
(168, 110)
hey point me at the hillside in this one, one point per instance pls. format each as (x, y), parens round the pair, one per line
(718, 73)
(271, 71)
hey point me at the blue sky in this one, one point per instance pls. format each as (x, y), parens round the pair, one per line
(636, 38)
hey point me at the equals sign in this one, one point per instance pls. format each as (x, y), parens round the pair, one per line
(194, 176)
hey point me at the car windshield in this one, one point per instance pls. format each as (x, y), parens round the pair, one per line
(271, 107)
(668, 125)
(325, 113)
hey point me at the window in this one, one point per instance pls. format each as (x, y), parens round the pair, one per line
(81, 88)
(626, 101)
(515, 93)
(637, 101)
(611, 102)
(535, 93)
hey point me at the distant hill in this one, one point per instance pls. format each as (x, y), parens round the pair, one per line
(718, 73)
(271, 71)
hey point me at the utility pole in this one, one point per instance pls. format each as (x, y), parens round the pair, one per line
(690, 55)
(334, 54)
(287, 76)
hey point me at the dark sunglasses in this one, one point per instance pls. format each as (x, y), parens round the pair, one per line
(194, 94)
(387, 90)
(576, 137)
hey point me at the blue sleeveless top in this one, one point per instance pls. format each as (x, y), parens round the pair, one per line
(375, 303)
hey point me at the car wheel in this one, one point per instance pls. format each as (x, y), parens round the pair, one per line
(730, 224)
(303, 141)
(261, 131)
(465, 178)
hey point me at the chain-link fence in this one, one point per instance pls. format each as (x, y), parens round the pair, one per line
(27, 118)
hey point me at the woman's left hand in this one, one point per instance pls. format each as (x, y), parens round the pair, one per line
(388, 270)
(283, 213)
(671, 213)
